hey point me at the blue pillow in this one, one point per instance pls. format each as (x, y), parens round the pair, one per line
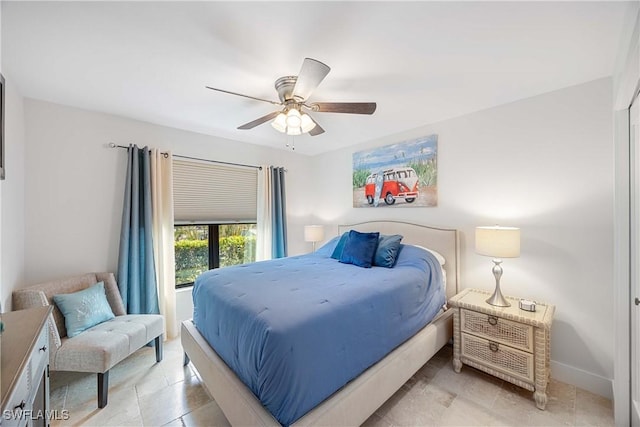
(84, 309)
(327, 249)
(387, 251)
(360, 248)
(337, 252)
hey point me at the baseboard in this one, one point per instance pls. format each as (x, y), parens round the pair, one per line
(585, 380)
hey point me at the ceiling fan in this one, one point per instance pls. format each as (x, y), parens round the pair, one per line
(294, 92)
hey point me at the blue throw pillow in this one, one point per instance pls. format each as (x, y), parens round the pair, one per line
(387, 251)
(337, 252)
(360, 248)
(327, 249)
(84, 309)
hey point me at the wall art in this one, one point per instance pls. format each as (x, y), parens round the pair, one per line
(399, 175)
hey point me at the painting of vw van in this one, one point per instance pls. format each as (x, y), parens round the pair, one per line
(397, 175)
(400, 183)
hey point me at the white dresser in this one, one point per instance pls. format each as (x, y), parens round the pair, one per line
(24, 387)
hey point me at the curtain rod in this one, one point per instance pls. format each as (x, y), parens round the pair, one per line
(112, 145)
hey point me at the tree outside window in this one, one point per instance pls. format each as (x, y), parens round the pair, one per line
(202, 247)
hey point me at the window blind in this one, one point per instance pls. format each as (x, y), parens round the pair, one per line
(213, 193)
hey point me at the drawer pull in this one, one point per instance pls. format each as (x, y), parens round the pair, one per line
(493, 320)
(493, 346)
(21, 405)
(43, 348)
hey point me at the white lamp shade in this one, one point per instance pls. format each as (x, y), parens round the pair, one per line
(498, 242)
(293, 123)
(280, 123)
(294, 131)
(293, 118)
(307, 123)
(313, 233)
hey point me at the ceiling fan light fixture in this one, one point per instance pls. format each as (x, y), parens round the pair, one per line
(293, 118)
(306, 124)
(294, 92)
(294, 131)
(280, 123)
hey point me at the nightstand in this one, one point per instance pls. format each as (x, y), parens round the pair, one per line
(506, 342)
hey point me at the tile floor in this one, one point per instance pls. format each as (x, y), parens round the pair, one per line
(142, 392)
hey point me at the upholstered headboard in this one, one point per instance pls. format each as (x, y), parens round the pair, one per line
(443, 240)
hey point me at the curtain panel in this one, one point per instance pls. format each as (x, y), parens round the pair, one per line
(264, 240)
(163, 237)
(136, 265)
(278, 213)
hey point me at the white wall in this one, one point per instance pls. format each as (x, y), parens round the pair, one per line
(12, 224)
(75, 185)
(544, 164)
(12, 193)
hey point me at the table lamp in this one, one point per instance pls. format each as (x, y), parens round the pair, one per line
(498, 242)
(313, 233)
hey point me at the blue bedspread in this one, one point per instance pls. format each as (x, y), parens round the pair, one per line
(297, 329)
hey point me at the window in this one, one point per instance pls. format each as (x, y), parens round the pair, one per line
(214, 209)
(202, 247)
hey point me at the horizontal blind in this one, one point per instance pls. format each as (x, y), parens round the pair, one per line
(208, 192)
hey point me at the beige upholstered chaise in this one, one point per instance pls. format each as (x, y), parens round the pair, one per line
(101, 347)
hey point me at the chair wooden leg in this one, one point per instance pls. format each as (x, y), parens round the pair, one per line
(103, 389)
(186, 360)
(159, 348)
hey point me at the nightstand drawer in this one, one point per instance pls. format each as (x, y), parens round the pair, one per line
(499, 357)
(496, 329)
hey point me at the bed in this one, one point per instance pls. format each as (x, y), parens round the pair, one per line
(358, 399)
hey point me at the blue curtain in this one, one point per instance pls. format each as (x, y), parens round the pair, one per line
(278, 214)
(136, 268)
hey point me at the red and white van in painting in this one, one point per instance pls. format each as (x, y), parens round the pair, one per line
(398, 183)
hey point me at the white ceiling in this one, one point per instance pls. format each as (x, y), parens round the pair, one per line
(422, 62)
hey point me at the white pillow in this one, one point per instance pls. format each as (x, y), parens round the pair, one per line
(436, 254)
(441, 260)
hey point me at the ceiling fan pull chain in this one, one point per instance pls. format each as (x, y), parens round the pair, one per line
(291, 144)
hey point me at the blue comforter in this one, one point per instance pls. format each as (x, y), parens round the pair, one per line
(297, 329)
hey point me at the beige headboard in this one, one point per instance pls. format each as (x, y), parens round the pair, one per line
(443, 240)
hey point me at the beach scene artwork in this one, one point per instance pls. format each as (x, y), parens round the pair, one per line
(399, 175)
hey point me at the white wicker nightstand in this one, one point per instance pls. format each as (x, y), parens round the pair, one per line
(506, 342)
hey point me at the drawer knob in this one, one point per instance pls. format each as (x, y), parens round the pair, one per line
(493, 346)
(493, 320)
(43, 348)
(21, 405)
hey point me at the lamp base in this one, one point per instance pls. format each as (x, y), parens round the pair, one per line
(497, 299)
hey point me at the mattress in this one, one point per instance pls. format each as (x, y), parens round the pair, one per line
(297, 329)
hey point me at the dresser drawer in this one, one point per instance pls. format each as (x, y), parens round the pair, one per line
(14, 415)
(497, 329)
(499, 357)
(39, 358)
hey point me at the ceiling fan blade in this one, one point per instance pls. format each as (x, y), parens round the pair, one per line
(317, 130)
(246, 96)
(309, 77)
(259, 121)
(344, 107)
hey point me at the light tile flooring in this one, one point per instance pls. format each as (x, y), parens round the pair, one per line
(143, 392)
